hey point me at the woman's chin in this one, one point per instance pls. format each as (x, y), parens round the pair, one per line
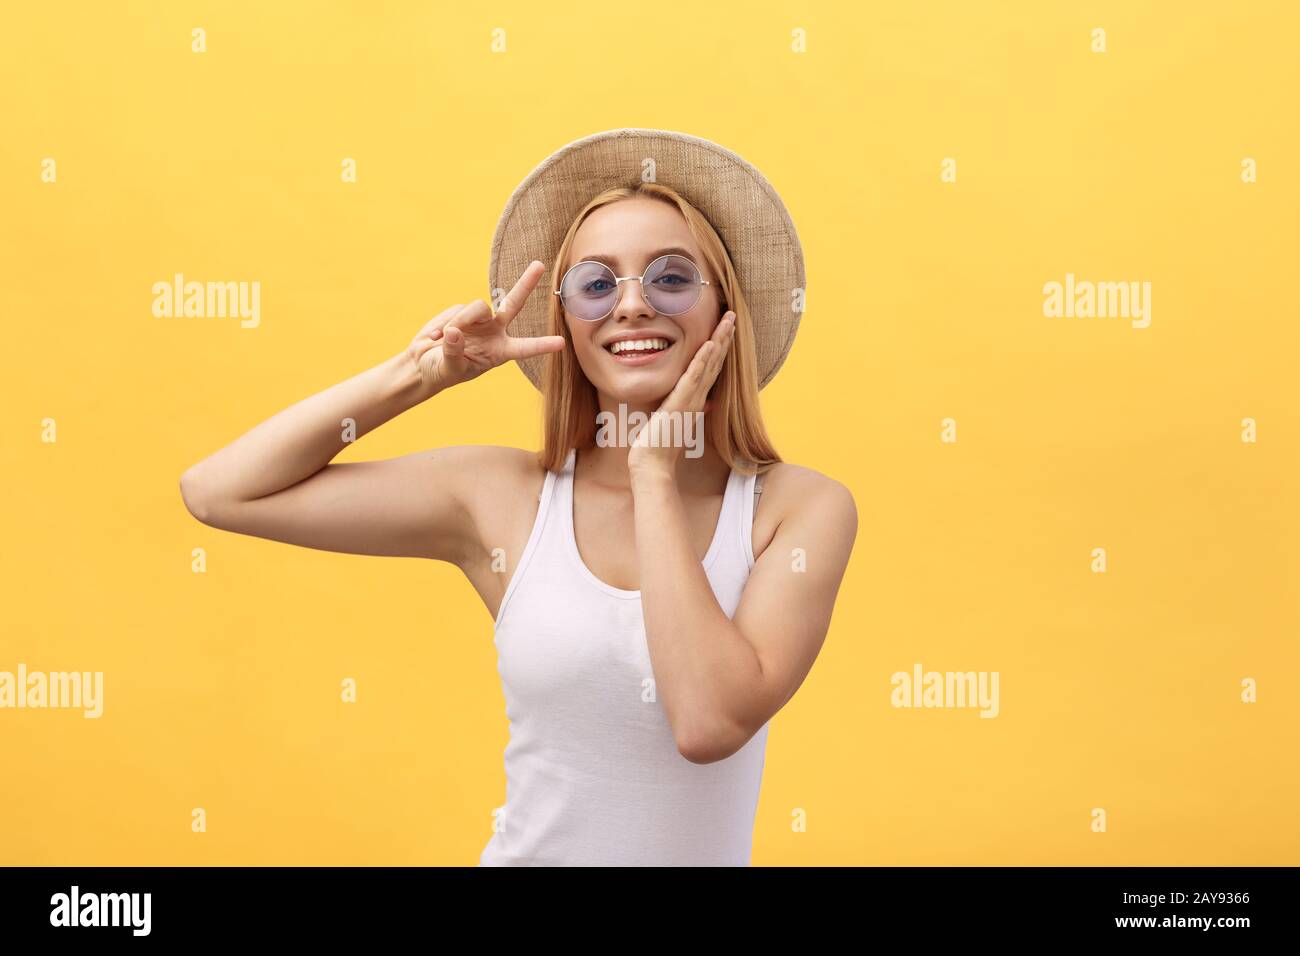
(638, 387)
(633, 385)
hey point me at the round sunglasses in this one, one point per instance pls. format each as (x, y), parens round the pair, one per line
(671, 284)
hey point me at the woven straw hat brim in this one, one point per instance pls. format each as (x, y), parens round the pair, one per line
(742, 206)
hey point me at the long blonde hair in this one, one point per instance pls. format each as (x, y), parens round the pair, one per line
(734, 425)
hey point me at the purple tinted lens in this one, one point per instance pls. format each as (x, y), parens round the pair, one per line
(589, 291)
(672, 285)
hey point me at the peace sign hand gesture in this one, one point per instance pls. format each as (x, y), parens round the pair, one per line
(464, 341)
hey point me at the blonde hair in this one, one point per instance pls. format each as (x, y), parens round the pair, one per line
(734, 425)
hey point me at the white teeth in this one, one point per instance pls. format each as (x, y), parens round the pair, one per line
(639, 345)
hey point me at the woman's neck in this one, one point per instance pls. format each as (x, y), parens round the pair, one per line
(700, 469)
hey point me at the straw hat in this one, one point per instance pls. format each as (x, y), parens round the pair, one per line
(741, 205)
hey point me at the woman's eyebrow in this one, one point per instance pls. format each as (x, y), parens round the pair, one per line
(612, 261)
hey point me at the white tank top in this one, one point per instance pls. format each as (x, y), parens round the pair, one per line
(593, 776)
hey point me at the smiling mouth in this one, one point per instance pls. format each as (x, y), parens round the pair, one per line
(638, 351)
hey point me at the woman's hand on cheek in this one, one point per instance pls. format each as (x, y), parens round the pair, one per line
(658, 445)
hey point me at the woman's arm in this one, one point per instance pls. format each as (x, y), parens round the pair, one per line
(721, 679)
(277, 480)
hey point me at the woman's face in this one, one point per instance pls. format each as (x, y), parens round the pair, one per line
(627, 236)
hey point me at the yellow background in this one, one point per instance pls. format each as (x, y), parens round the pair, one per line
(1119, 691)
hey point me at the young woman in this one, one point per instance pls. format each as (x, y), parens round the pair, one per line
(650, 616)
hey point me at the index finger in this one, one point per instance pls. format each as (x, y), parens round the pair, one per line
(515, 298)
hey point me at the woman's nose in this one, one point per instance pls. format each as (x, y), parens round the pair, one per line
(631, 299)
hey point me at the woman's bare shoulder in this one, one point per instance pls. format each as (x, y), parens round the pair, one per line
(496, 487)
(794, 492)
(792, 479)
(495, 472)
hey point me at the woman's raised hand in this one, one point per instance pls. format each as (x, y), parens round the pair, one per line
(464, 341)
(653, 446)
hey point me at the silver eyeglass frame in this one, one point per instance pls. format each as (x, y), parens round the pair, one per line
(641, 278)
